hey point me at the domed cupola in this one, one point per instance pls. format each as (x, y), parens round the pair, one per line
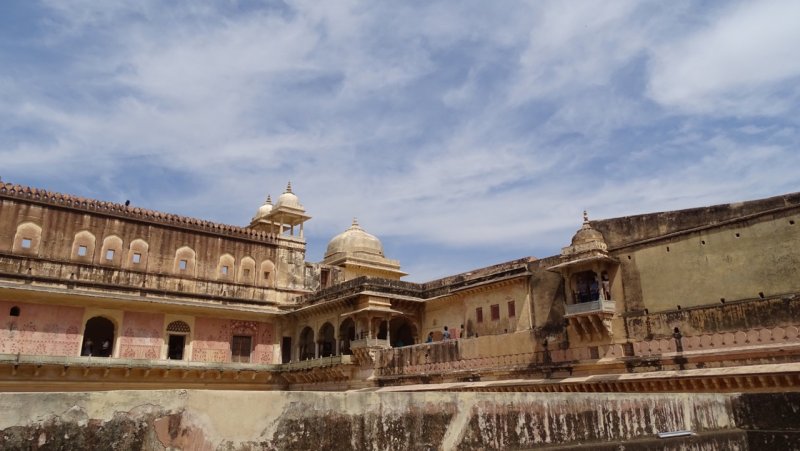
(587, 235)
(285, 218)
(591, 282)
(264, 210)
(354, 240)
(288, 199)
(360, 254)
(586, 240)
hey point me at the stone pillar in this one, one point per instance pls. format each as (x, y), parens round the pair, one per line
(316, 349)
(388, 336)
(336, 340)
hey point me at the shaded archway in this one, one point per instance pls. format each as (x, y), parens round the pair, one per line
(177, 333)
(379, 328)
(327, 340)
(98, 337)
(306, 344)
(403, 332)
(585, 287)
(347, 333)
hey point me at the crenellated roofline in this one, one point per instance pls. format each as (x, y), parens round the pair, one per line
(83, 204)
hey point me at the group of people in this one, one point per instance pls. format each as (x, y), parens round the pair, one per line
(591, 290)
(103, 351)
(446, 335)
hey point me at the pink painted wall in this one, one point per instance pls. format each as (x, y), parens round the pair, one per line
(141, 336)
(40, 329)
(212, 339)
(265, 344)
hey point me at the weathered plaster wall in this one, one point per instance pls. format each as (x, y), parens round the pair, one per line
(40, 329)
(547, 291)
(629, 229)
(448, 312)
(60, 226)
(142, 336)
(749, 260)
(730, 317)
(500, 297)
(184, 419)
(212, 340)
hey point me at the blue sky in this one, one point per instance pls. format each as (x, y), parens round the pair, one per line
(462, 133)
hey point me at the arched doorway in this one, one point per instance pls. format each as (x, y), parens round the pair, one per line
(306, 344)
(98, 337)
(177, 332)
(403, 332)
(347, 333)
(379, 325)
(327, 340)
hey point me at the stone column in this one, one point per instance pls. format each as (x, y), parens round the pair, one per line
(335, 340)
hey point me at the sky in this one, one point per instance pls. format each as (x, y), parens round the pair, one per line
(461, 133)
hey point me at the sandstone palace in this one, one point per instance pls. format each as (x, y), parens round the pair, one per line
(96, 295)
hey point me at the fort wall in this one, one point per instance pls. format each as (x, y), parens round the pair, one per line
(752, 259)
(190, 419)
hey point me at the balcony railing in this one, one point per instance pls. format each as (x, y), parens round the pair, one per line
(599, 306)
(318, 362)
(370, 343)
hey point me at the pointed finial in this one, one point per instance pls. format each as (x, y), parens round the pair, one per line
(585, 216)
(289, 187)
(355, 222)
(269, 199)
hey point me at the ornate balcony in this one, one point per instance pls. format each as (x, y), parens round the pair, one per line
(591, 307)
(591, 321)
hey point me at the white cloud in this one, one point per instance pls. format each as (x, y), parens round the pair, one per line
(745, 62)
(477, 126)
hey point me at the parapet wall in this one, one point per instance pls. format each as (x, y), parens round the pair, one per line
(188, 419)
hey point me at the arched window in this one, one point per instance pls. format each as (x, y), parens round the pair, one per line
(306, 348)
(137, 254)
(83, 246)
(347, 333)
(177, 332)
(403, 332)
(327, 340)
(14, 311)
(27, 238)
(184, 261)
(111, 252)
(247, 270)
(98, 337)
(267, 276)
(226, 267)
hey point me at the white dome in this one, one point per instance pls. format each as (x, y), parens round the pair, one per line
(353, 240)
(265, 209)
(288, 199)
